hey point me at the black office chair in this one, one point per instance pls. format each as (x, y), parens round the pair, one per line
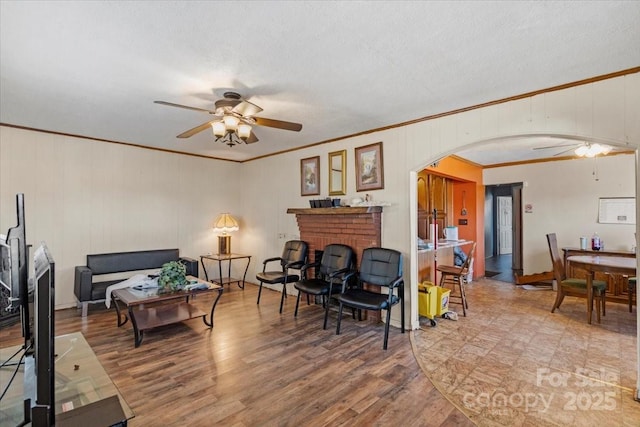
(294, 256)
(379, 268)
(337, 260)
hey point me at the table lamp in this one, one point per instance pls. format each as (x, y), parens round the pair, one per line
(223, 224)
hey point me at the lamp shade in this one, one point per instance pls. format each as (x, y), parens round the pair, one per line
(225, 223)
(218, 128)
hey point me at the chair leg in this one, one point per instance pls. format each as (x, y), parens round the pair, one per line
(325, 302)
(465, 304)
(295, 314)
(386, 329)
(559, 298)
(598, 307)
(401, 297)
(340, 318)
(259, 293)
(604, 302)
(284, 293)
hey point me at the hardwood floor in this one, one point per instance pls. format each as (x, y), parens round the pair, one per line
(256, 367)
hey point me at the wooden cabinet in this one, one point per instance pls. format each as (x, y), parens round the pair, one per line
(617, 285)
(434, 192)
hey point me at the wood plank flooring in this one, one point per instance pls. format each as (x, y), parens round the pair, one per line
(257, 367)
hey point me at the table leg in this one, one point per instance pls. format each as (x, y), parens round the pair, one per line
(220, 271)
(206, 276)
(115, 303)
(245, 273)
(589, 295)
(213, 307)
(137, 334)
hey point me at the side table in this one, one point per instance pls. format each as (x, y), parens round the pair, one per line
(219, 258)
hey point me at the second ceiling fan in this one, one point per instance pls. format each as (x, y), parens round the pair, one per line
(234, 120)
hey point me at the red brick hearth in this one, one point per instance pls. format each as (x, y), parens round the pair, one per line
(358, 227)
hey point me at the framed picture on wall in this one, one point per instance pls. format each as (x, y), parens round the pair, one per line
(369, 167)
(310, 176)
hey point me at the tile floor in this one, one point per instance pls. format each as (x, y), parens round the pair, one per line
(511, 362)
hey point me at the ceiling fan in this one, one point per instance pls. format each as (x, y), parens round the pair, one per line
(234, 118)
(582, 149)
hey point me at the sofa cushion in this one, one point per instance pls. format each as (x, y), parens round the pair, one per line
(99, 289)
(130, 261)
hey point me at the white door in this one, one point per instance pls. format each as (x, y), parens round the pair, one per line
(505, 235)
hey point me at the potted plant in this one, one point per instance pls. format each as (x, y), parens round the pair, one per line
(172, 276)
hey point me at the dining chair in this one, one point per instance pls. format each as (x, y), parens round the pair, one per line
(379, 268)
(294, 256)
(456, 276)
(573, 286)
(331, 270)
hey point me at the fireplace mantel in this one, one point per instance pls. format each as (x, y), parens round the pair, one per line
(335, 211)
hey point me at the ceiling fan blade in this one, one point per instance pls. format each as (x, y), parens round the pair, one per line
(193, 131)
(564, 151)
(252, 138)
(555, 146)
(246, 109)
(279, 124)
(171, 104)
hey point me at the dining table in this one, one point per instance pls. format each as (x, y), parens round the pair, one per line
(606, 264)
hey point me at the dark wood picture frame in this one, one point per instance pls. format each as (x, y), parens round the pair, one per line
(310, 176)
(369, 167)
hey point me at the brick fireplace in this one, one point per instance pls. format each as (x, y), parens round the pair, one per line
(358, 227)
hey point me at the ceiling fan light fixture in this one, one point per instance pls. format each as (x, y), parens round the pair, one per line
(582, 150)
(244, 131)
(231, 122)
(592, 150)
(219, 129)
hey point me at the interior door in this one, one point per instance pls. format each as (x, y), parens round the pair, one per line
(505, 225)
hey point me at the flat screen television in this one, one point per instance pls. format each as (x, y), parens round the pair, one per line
(43, 411)
(14, 270)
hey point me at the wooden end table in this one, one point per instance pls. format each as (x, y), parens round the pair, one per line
(219, 258)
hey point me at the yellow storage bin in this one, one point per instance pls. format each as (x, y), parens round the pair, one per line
(442, 305)
(433, 301)
(427, 298)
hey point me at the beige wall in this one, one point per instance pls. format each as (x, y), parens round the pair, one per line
(564, 196)
(84, 197)
(89, 197)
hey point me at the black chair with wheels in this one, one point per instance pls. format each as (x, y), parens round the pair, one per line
(294, 257)
(337, 260)
(379, 268)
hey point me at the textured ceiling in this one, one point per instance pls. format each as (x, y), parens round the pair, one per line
(339, 68)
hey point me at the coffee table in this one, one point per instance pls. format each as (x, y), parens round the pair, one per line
(149, 308)
(84, 392)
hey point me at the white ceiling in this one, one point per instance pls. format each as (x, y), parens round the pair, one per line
(94, 68)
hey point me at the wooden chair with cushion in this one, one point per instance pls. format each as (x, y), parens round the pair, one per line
(455, 275)
(294, 256)
(573, 286)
